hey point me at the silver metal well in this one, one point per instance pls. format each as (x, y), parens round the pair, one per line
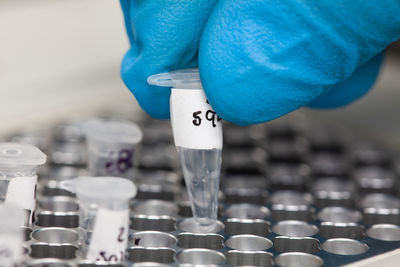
(298, 259)
(209, 241)
(341, 230)
(249, 258)
(247, 226)
(294, 228)
(385, 232)
(288, 197)
(246, 211)
(248, 243)
(200, 256)
(152, 239)
(153, 223)
(344, 246)
(190, 225)
(56, 235)
(50, 263)
(339, 215)
(155, 208)
(58, 203)
(296, 244)
(160, 255)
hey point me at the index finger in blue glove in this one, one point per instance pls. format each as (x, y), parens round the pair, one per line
(164, 36)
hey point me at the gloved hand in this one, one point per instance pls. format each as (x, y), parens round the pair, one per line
(259, 59)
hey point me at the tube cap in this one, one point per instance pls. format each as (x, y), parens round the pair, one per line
(111, 131)
(15, 154)
(101, 189)
(185, 78)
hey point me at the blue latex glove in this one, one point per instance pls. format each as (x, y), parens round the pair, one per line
(259, 59)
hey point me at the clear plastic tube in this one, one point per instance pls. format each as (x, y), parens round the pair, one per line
(198, 137)
(18, 179)
(112, 147)
(201, 169)
(104, 215)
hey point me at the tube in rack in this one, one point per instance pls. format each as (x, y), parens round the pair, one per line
(197, 133)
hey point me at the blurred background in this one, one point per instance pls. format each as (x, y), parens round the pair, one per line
(62, 58)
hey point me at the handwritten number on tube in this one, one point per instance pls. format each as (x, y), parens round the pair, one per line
(197, 119)
(120, 237)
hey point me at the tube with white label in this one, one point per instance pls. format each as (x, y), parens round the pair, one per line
(112, 147)
(104, 216)
(18, 179)
(12, 218)
(197, 133)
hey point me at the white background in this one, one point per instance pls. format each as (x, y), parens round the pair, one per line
(59, 57)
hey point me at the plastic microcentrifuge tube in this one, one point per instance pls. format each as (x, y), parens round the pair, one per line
(104, 215)
(112, 147)
(18, 179)
(12, 218)
(197, 133)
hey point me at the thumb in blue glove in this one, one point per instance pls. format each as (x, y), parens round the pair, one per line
(259, 59)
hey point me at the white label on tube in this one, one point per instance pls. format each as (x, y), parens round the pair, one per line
(194, 123)
(110, 236)
(10, 250)
(21, 193)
